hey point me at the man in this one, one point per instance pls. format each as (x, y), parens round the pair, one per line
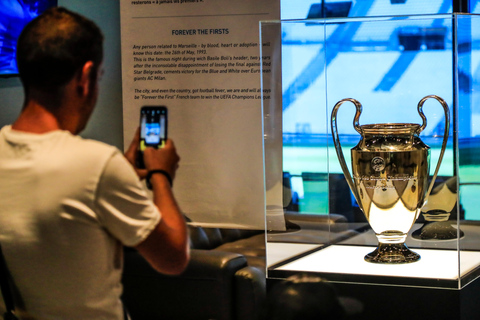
(67, 205)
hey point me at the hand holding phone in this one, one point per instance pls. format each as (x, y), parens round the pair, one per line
(153, 130)
(165, 159)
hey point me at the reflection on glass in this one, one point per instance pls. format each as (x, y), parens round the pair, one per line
(440, 205)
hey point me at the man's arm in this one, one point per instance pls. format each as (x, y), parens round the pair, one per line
(167, 247)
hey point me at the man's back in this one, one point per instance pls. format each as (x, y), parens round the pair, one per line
(56, 226)
(66, 204)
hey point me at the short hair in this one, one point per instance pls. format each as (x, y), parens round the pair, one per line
(54, 46)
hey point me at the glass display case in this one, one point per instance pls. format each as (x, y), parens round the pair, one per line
(316, 221)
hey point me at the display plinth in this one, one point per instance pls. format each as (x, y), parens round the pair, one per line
(394, 302)
(350, 266)
(313, 64)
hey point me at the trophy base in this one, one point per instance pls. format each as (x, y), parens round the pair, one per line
(392, 253)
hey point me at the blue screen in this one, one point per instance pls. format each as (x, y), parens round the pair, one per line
(15, 14)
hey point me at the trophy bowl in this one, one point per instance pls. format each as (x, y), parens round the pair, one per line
(389, 180)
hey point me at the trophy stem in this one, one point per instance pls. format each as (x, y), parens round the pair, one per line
(392, 253)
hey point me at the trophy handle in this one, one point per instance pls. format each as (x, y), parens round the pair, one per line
(338, 146)
(445, 133)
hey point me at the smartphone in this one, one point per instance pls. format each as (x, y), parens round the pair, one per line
(153, 129)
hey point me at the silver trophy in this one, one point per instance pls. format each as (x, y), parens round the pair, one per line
(390, 170)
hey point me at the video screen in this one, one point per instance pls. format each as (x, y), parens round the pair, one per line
(15, 14)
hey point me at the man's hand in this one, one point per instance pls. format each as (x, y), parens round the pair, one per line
(165, 158)
(132, 153)
(166, 248)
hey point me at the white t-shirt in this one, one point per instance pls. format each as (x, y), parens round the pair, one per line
(66, 206)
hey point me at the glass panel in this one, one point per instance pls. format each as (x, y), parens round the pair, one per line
(400, 62)
(474, 6)
(468, 131)
(388, 64)
(408, 50)
(303, 9)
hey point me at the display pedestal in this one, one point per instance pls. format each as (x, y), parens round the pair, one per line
(427, 289)
(399, 303)
(345, 263)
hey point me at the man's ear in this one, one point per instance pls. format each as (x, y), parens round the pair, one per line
(85, 78)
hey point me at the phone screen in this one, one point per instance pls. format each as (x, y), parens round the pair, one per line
(153, 130)
(153, 127)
